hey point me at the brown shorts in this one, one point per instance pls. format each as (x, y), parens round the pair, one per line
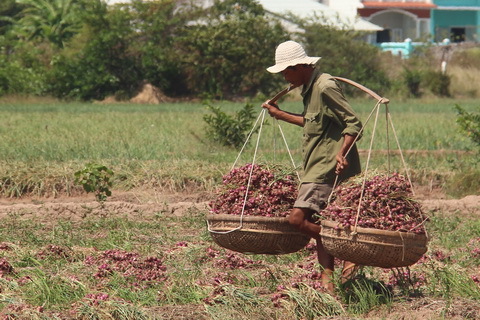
(313, 196)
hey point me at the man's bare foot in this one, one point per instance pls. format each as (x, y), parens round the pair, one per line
(327, 281)
(349, 271)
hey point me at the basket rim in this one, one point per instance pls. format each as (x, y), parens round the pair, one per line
(244, 218)
(362, 230)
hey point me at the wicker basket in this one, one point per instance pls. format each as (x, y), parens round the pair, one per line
(373, 247)
(257, 235)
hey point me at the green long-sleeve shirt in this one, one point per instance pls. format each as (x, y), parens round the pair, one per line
(327, 117)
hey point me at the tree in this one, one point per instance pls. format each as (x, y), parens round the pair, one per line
(98, 61)
(158, 25)
(8, 10)
(344, 54)
(54, 20)
(226, 54)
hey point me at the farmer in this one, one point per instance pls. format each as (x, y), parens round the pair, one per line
(330, 127)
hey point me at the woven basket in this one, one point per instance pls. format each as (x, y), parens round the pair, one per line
(373, 247)
(257, 235)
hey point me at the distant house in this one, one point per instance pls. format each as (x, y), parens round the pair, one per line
(458, 20)
(422, 20)
(400, 19)
(314, 9)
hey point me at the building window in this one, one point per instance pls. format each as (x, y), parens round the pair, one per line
(397, 35)
(383, 36)
(457, 34)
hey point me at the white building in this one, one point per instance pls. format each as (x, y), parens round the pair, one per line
(330, 15)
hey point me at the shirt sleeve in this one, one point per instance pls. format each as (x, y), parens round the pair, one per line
(344, 115)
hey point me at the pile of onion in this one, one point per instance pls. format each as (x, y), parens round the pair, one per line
(271, 192)
(387, 204)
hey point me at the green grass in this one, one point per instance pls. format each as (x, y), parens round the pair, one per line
(53, 272)
(164, 146)
(119, 133)
(56, 264)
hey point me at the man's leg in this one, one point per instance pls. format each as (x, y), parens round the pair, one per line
(299, 219)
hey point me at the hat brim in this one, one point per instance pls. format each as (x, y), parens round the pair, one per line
(282, 66)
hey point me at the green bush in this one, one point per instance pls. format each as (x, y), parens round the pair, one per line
(159, 26)
(412, 79)
(225, 55)
(95, 178)
(98, 62)
(229, 130)
(469, 123)
(437, 82)
(21, 72)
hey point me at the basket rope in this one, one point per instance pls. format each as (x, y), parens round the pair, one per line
(388, 117)
(261, 117)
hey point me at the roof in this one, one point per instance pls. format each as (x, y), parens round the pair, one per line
(463, 8)
(311, 8)
(398, 4)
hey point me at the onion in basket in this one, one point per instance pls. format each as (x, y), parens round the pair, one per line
(387, 204)
(271, 192)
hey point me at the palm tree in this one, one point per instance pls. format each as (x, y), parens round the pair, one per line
(8, 9)
(54, 20)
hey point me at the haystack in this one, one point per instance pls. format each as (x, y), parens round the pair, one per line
(150, 94)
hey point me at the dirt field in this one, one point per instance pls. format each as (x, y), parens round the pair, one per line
(147, 203)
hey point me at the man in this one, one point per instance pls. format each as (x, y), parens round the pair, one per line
(330, 127)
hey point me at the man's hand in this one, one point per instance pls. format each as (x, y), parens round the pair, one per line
(342, 164)
(271, 107)
(279, 114)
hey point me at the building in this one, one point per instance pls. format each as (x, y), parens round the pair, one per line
(419, 20)
(410, 23)
(458, 20)
(306, 9)
(400, 19)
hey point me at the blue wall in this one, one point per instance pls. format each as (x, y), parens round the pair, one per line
(457, 3)
(445, 18)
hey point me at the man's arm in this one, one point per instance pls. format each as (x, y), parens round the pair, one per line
(342, 162)
(277, 113)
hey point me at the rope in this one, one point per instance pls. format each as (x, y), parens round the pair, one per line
(401, 154)
(354, 141)
(388, 118)
(380, 100)
(262, 117)
(288, 149)
(366, 168)
(387, 137)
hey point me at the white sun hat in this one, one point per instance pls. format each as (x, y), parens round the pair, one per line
(290, 53)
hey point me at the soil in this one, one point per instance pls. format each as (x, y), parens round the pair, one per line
(145, 203)
(135, 204)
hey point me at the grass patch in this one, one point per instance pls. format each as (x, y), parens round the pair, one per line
(120, 267)
(128, 269)
(164, 146)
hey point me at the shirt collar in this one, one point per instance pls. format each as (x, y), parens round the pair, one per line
(315, 74)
